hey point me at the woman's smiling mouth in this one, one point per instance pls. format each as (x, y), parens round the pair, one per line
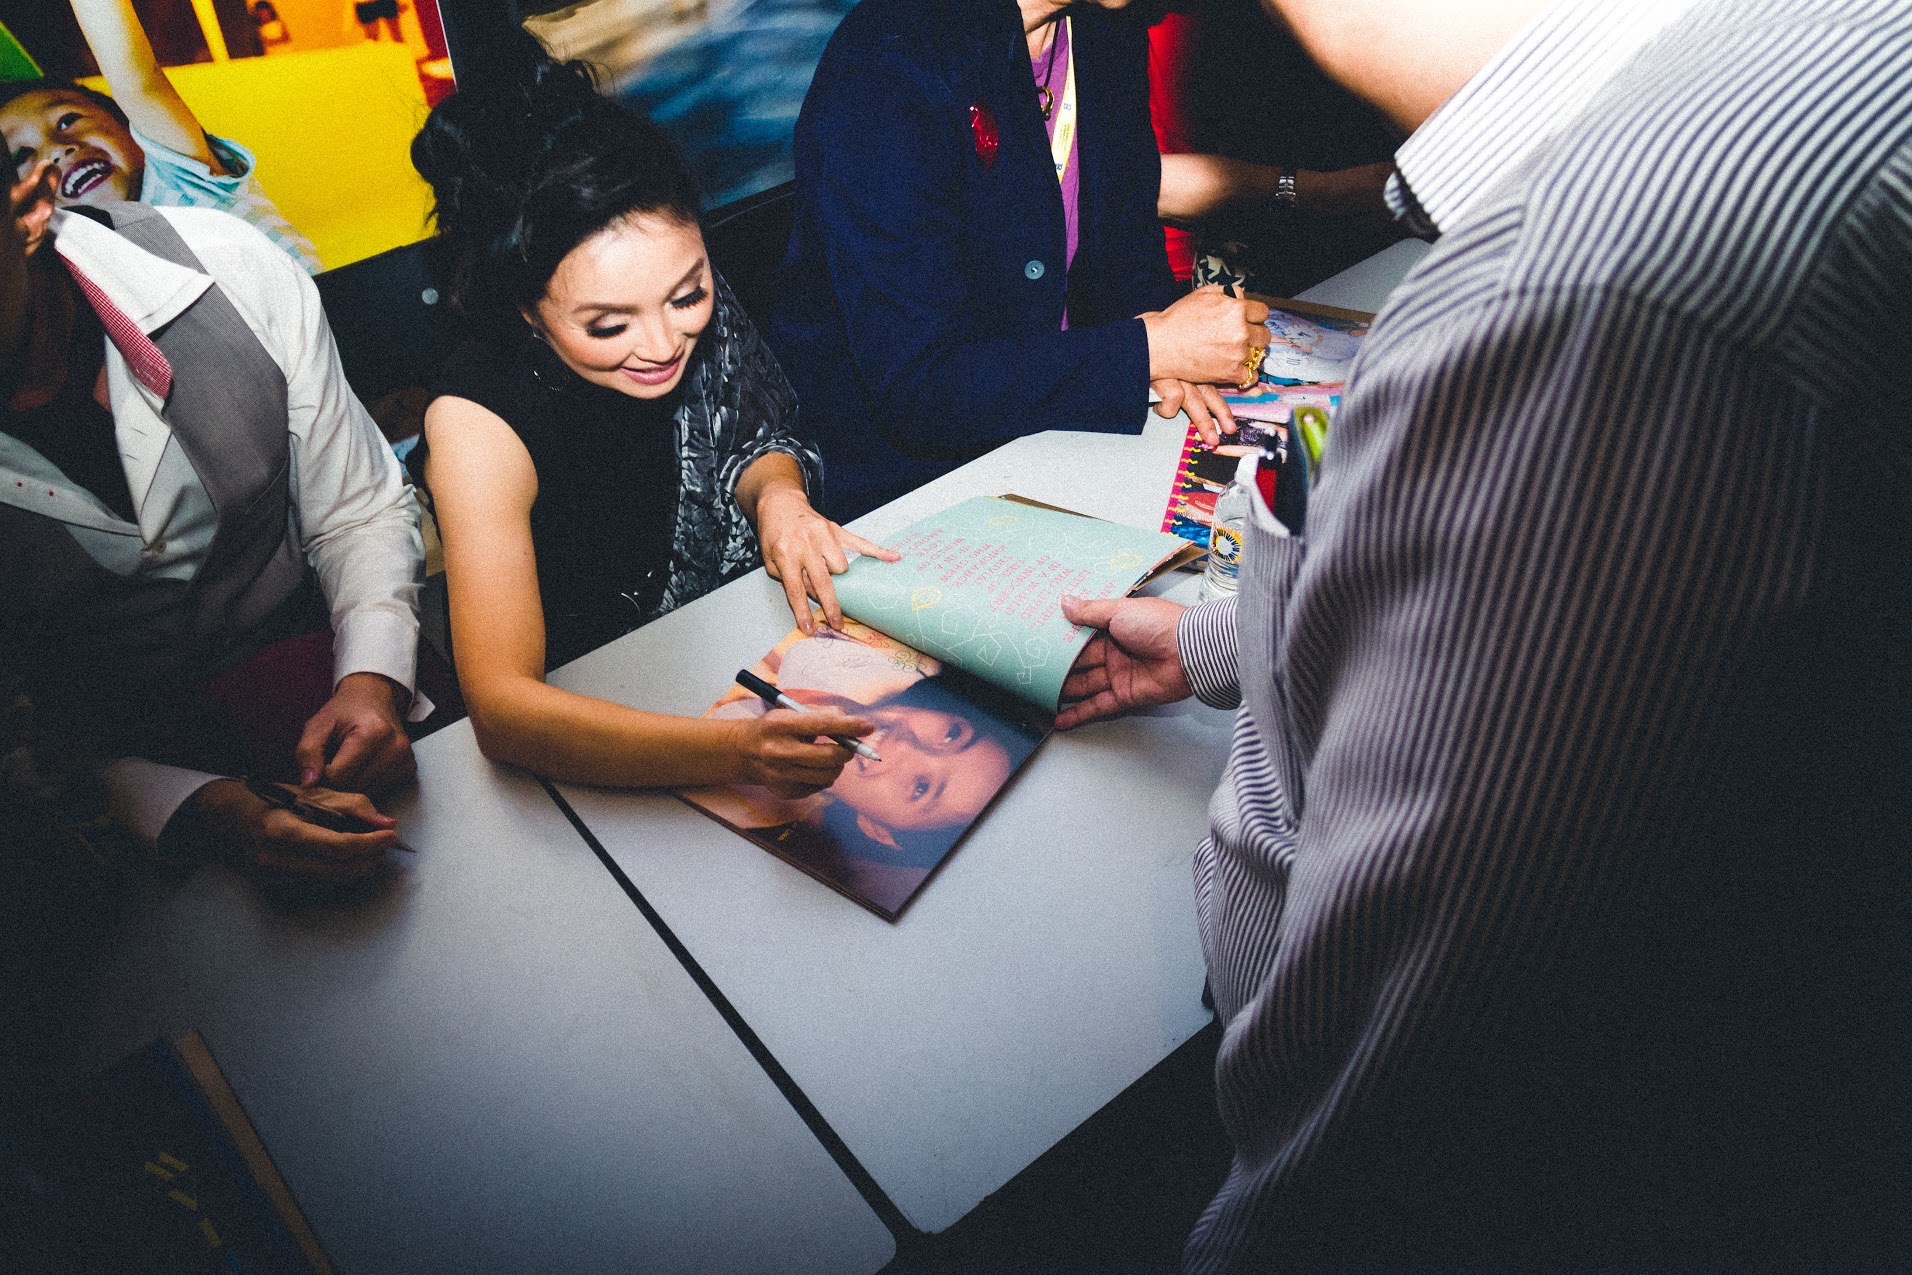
(653, 373)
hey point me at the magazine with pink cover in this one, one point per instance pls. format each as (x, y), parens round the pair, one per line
(957, 653)
(1306, 361)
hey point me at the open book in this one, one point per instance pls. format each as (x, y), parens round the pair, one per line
(1306, 361)
(958, 654)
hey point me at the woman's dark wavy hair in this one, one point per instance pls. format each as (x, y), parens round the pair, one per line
(526, 161)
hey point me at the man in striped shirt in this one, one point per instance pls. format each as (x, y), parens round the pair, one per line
(1556, 897)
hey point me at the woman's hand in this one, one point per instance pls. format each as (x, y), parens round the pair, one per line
(804, 549)
(1204, 404)
(789, 753)
(1205, 338)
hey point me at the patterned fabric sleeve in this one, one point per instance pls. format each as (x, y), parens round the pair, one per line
(1210, 658)
(173, 180)
(737, 407)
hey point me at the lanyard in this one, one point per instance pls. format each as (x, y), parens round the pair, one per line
(1063, 139)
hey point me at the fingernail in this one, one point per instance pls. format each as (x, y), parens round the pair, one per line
(308, 777)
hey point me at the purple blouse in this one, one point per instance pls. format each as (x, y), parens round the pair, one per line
(1053, 73)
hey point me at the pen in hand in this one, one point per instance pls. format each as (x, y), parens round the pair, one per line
(777, 699)
(313, 813)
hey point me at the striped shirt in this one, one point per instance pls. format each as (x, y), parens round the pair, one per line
(1600, 600)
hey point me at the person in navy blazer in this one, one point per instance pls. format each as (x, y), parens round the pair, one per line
(920, 310)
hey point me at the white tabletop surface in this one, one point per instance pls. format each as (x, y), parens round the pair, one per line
(1050, 963)
(1366, 284)
(490, 1064)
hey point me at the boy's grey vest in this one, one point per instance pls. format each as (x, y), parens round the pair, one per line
(91, 635)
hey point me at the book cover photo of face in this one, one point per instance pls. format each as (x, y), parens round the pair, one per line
(947, 742)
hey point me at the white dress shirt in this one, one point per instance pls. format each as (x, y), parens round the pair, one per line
(356, 517)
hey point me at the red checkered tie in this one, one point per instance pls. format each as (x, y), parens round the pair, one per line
(142, 356)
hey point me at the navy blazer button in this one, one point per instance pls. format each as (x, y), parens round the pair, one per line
(1033, 270)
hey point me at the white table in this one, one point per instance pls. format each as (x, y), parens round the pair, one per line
(494, 1064)
(1366, 284)
(1050, 963)
(491, 1064)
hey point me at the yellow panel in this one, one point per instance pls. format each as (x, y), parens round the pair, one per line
(332, 130)
(209, 29)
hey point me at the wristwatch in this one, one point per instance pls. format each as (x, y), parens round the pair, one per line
(1285, 189)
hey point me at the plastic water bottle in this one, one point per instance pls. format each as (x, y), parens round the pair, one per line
(1225, 536)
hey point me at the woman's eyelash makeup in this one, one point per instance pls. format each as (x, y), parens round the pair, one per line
(684, 302)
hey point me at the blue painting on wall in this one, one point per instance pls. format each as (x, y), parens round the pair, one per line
(726, 77)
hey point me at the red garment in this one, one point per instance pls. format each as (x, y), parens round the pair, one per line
(143, 359)
(1169, 46)
(266, 701)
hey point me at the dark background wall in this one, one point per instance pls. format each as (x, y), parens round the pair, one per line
(48, 30)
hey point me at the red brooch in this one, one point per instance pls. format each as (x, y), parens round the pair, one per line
(982, 126)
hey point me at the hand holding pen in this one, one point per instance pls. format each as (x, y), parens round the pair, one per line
(279, 829)
(312, 812)
(777, 699)
(800, 751)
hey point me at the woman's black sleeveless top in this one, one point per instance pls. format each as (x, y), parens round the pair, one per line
(607, 470)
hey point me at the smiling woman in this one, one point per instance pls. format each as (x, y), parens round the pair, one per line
(602, 314)
(612, 441)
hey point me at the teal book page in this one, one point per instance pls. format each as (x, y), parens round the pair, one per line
(981, 586)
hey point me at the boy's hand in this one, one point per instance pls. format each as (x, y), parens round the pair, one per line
(125, 56)
(30, 204)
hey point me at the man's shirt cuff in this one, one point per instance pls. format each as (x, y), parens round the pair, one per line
(373, 640)
(1210, 655)
(145, 795)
